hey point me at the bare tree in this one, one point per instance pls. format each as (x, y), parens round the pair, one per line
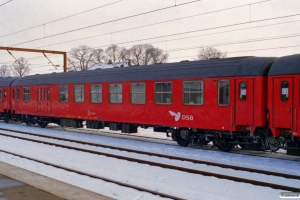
(20, 67)
(4, 71)
(158, 56)
(81, 58)
(124, 56)
(206, 53)
(137, 54)
(113, 53)
(99, 56)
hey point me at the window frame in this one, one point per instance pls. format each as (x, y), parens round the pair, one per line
(138, 92)
(26, 94)
(17, 94)
(115, 93)
(281, 87)
(218, 91)
(59, 93)
(1, 94)
(241, 99)
(101, 93)
(202, 81)
(163, 92)
(75, 94)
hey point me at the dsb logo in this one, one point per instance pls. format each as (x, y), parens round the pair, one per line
(187, 117)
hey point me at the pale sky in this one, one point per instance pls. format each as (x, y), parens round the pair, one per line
(272, 26)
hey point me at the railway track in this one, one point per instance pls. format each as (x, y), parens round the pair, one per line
(95, 176)
(188, 170)
(274, 155)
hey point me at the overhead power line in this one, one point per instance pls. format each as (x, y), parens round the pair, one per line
(158, 23)
(5, 3)
(107, 22)
(59, 18)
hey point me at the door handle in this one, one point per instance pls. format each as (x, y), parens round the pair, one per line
(289, 110)
(237, 107)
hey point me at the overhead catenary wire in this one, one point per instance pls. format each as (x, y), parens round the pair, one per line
(228, 43)
(5, 3)
(107, 22)
(50, 22)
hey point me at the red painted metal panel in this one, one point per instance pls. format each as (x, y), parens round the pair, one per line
(282, 106)
(244, 101)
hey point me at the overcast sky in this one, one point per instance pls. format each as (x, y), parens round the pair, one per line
(239, 27)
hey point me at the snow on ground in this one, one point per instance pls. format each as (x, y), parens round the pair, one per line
(189, 186)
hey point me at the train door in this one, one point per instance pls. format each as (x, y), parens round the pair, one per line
(244, 101)
(282, 102)
(44, 105)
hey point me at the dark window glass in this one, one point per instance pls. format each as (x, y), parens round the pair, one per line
(18, 94)
(223, 92)
(193, 92)
(13, 93)
(115, 93)
(79, 93)
(63, 93)
(138, 93)
(26, 93)
(243, 91)
(39, 93)
(96, 93)
(48, 94)
(284, 91)
(0, 94)
(163, 93)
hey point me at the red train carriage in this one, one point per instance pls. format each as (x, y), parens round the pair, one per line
(220, 100)
(5, 95)
(284, 103)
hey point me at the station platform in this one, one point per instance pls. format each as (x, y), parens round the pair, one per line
(19, 184)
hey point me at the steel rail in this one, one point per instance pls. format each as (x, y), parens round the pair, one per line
(95, 176)
(278, 174)
(183, 169)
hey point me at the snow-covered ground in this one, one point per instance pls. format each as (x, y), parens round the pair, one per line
(181, 184)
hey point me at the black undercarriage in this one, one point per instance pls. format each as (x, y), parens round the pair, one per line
(261, 140)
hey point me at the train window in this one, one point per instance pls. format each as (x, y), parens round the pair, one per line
(115, 93)
(0, 94)
(39, 93)
(284, 91)
(138, 93)
(45, 94)
(193, 92)
(96, 93)
(4, 93)
(79, 93)
(48, 94)
(18, 94)
(13, 93)
(42, 98)
(26, 93)
(163, 93)
(63, 93)
(223, 92)
(243, 91)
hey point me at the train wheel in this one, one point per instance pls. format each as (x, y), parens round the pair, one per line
(6, 119)
(28, 122)
(174, 137)
(182, 142)
(223, 145)
(43, 124)
(272, 143)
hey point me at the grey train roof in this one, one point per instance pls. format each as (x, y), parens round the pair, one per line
(4, 82)
(286, 65)
(241, 66)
